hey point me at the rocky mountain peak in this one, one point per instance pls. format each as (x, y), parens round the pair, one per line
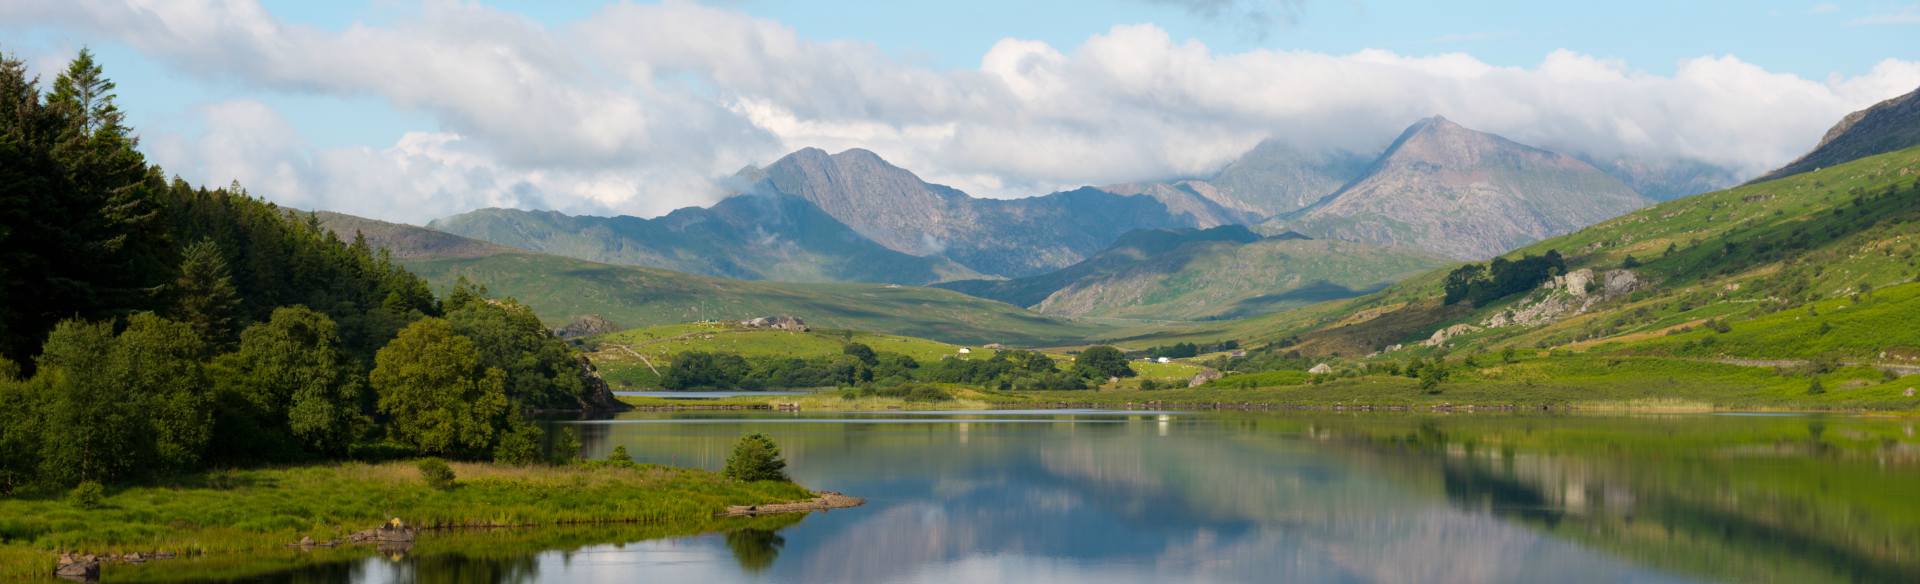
(1890, 125)
(1468, 194)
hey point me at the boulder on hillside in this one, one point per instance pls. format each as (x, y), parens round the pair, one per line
(784, 323)
(1321, 369)
(1441, 336)
(587, 325)
(1204, 377)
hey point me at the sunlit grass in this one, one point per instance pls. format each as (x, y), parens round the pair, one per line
(251, 511)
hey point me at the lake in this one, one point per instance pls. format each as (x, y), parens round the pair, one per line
(1158, 497)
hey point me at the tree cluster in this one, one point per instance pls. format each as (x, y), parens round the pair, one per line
(1480, 284)
(149, 327)
(859, 366)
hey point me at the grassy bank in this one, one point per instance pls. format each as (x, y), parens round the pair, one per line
(248, 516)
(1572, 381)
(830, 400)
(636, 358)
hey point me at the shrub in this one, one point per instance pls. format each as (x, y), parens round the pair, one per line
(437, 474)
(1102, 362)
(756, 458)
(566, 446)
(619, 454)
(1432, 376)
(88, 495)
(521, 444)
(1815, 388)
(928, 393)
(1149, 385)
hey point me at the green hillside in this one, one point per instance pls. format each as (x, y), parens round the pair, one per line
(560, 289)
(636, 357)
(1767, 286)
(1213, 274)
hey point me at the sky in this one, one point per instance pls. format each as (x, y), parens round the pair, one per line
(408, 111)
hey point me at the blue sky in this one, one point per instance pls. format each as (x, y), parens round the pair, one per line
(1001, 98)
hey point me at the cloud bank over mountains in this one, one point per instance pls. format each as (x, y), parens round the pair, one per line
(639, 109)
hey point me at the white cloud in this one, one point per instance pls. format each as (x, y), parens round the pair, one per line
(1906, 15)
(637, 108)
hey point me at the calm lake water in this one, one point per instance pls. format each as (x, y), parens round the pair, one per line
(1188, 497)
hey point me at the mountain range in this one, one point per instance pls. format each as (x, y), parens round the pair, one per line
(854, 217)
(753, 237)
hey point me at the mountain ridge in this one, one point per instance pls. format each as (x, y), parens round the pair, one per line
(1465, 194)
(1892, 124)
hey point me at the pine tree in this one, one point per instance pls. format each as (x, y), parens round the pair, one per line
(204, 295)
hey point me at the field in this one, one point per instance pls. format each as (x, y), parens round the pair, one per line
(635, 358)
(221, 515)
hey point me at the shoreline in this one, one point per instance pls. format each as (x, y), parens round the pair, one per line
(1652, 406)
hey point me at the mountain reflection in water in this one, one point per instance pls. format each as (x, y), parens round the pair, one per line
(1158, 497)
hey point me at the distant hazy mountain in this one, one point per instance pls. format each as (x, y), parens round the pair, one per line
(1224, 272)
(1011, 237)
(1890, 125)
(1272, 178)
(1465, 194)
(1199, 201)
(1278, 178)
(753, 237)
(1666, 180)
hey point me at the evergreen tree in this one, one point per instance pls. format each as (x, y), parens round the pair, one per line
(756, 458)
(204, 296)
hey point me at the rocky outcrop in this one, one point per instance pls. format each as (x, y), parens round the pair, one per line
(825, 501)
(587, 325)
(597, 396)
(1440, 337)
(1321, 369)
(1204, 377)
(1574, 293)
(784, 323)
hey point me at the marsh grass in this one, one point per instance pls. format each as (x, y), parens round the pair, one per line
(260, 511)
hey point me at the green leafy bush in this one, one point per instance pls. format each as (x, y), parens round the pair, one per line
(437, 474)
(88, 495)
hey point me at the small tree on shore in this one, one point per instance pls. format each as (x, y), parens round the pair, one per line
(756, 458)
(1432, 376)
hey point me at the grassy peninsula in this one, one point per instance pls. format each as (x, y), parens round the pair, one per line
(236, 522)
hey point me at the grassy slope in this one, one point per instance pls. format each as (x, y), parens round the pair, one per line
(616, 360)
(1225, 280)
(1778, 262)
(559, 289)
(224, 514)
(1837, 248)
